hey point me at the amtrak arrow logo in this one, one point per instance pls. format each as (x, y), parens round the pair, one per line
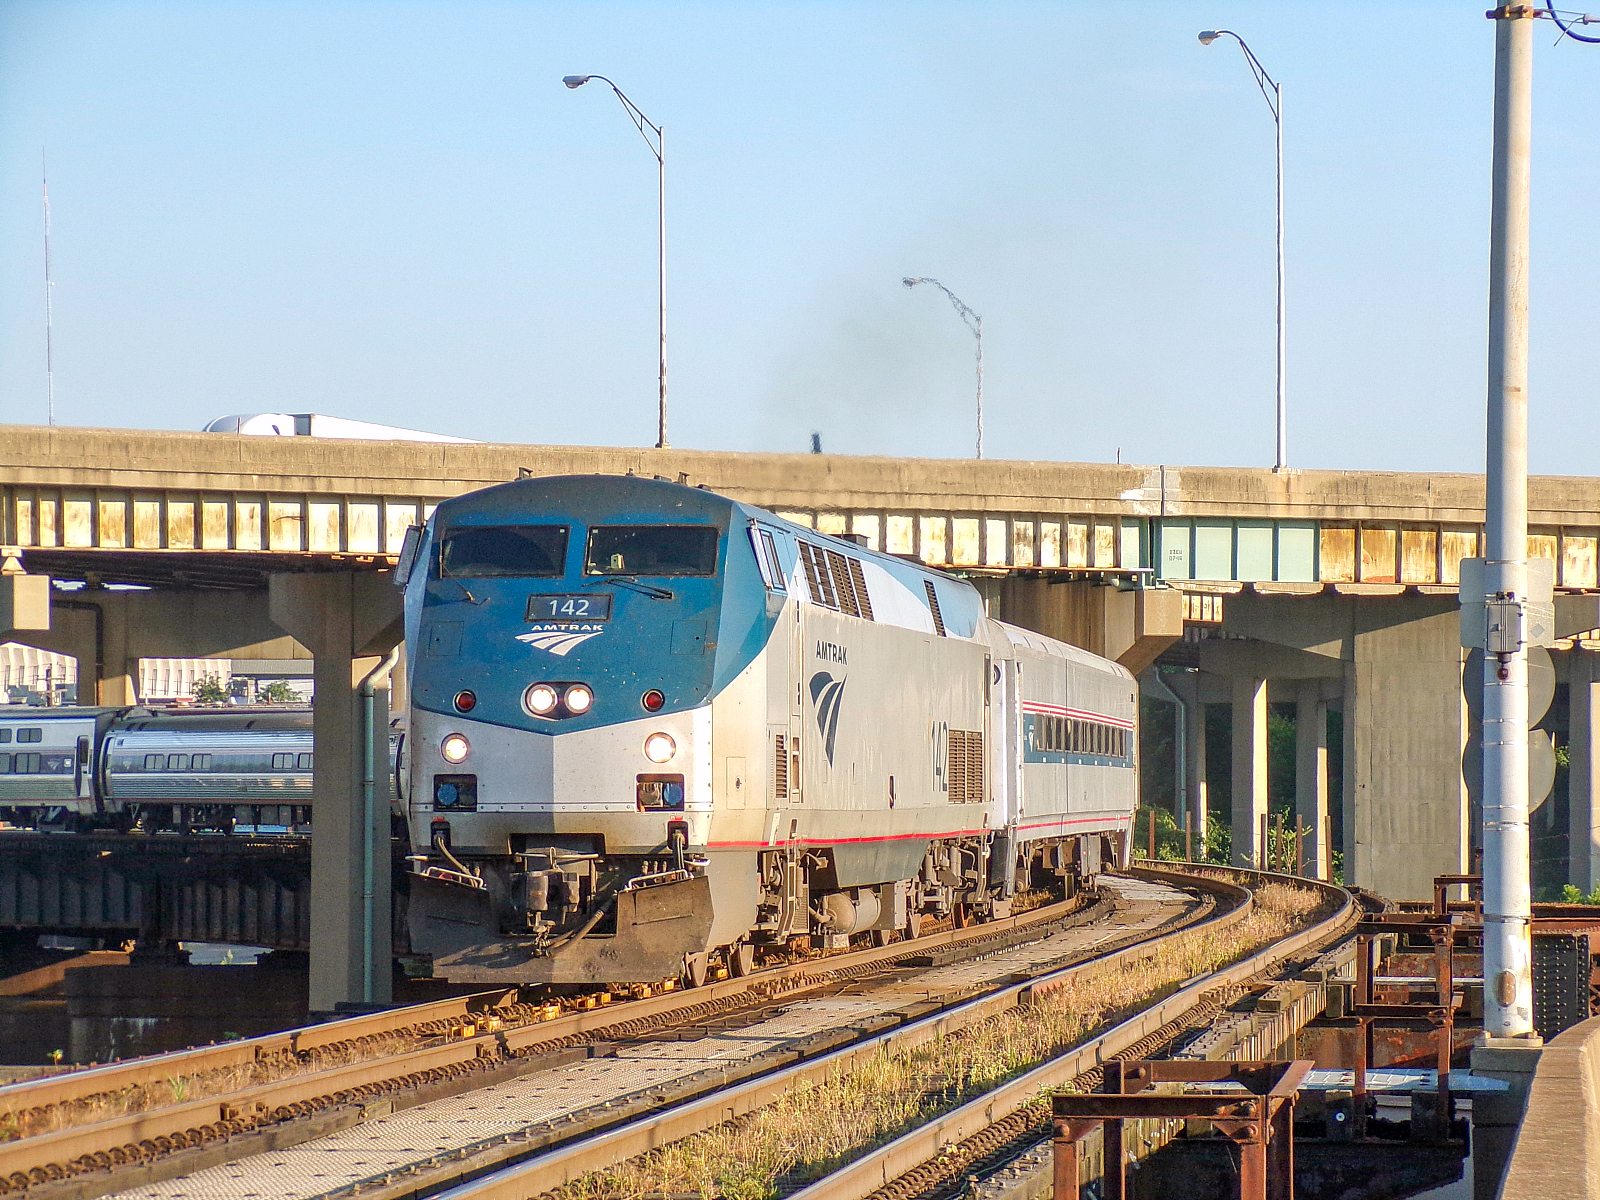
(559, 640)
(827, 693)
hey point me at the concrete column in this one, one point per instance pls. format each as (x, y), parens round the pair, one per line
(1311, 775)
(1583, 779)
(348, 621)
(1198, 798)
(1249, 768)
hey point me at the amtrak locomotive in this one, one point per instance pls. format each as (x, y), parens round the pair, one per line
(654, 728)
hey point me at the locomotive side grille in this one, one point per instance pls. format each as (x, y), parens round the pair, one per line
(857, 577)
(817, 575)
(780, 768)
(843, 585)
(837, 581)
(933, 605)
(964, 766)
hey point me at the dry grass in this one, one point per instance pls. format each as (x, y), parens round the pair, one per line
(817, 1127)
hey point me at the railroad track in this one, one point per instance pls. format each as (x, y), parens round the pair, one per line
(929, 1157)
(77, 1142)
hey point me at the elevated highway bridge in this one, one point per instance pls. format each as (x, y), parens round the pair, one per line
(1234, 586)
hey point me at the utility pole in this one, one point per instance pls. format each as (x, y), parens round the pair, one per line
(1507, 902)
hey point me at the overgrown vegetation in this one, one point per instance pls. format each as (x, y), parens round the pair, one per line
(210, 690)
(813, 1129)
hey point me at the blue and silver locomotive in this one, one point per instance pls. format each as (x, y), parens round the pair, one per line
(653, 728)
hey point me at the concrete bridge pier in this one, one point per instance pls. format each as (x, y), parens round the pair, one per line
(349, 621)
(1311, 775)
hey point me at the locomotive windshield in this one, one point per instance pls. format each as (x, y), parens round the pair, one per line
(516, 551)
(652, 550)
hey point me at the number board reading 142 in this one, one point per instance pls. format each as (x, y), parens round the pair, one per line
(593, 607)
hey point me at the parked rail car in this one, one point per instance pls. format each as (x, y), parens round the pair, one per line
(653, 727)
(239, 771)
(245, 770)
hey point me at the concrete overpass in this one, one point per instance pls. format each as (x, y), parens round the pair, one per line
(1322, 588)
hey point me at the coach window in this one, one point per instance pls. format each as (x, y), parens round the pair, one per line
(30, 735)
(200, 762)
(652, 550)
(155, 762)
(504, 551)
(5, 735)
(177, 762)
(304, 762)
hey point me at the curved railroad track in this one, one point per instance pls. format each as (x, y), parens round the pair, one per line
(105, 1129)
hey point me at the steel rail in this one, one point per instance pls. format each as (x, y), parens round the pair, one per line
(883, 1166)
(566, 1163)
(161, 1068)
(468, 1042)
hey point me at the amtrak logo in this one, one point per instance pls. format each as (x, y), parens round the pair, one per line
(827, 693)
(560, 640)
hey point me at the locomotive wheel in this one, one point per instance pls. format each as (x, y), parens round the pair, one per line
(742, 959)
(695, 967)
(960, 916)
(913, 926)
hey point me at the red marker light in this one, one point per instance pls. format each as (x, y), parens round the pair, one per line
(466, 701)
(652, 700)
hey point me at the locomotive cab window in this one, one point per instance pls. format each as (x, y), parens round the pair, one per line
(504, 551)
(652, 550)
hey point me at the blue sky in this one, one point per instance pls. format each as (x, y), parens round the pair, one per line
(395, 212)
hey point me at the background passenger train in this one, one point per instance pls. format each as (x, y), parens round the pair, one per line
(653, 725)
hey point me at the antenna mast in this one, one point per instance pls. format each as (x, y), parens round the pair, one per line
(49, 287)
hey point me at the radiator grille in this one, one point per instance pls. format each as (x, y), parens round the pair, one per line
(964, 766)
(780, 768)
(933, 606)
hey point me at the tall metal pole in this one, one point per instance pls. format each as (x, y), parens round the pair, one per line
(49, 303)
(1272, 91)
(661, 214)
(658, 147)
(1507, 906)
(979, 332)
(974, 323)
(1283, 379)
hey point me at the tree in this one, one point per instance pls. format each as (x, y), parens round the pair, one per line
(210, 690)
(277, 692)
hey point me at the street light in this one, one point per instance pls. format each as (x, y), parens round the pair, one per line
(658, 147)
(973, 322)
(1273, 91)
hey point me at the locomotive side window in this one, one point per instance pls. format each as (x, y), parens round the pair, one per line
(767, 559)
(652, 550)
(504, 551)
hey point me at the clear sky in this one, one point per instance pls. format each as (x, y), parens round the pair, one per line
(395, 212)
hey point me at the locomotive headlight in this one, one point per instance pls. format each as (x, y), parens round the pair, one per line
(578, 698)
(454, 748)
(541, 699)
(659, 748)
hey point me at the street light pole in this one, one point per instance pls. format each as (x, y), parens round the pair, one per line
(1273, 92)
(973, 322)
(658, 147)
(1507, 901)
